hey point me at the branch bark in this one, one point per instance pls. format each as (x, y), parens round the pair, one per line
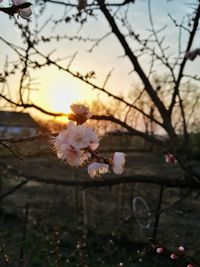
(176, 182)
(148, 86)
(131, 130)
(183, 63)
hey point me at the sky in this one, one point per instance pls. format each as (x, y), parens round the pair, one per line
(57, 89)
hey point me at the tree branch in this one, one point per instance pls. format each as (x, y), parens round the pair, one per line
(94, 86)
(182, 65)
(26, 138)
(148, 87)
(25, 105)
(102, 182)
(13, 190)
(131, 130)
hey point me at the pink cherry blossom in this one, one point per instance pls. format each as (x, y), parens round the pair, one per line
(81, 137)
(169, 158)
(76, 157)
(181, 249)
(71, 144)
(80, 113)
(25, 13)
(94, 140)
(62, 137)
(79, 109)
(76, 146)
(118, 162)
(173, 256)
(96, 169)
(73, 156)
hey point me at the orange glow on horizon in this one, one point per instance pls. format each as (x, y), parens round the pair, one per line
(59, 92)
(64, 93)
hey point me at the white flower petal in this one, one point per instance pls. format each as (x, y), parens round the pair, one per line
(25, 13)
(82, 137)
(79, 137)
(73, 157)
(81, 113)
(118, 162)
(79, 109)
(18, 2)
(96, 169)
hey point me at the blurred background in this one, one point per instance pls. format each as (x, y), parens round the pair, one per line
(127, 61)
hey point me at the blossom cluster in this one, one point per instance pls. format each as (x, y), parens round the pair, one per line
(21, 7)
(170, 158)
(175, 255)
(77, 145)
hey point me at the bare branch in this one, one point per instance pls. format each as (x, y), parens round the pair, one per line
(183, 63)
(26, 138)
(13, 190)
(150, 179)
(2, 142)
(148, 87)
(94, 86)
(130, 129)
(25, 105)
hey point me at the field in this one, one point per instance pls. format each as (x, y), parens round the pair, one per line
(53, 225)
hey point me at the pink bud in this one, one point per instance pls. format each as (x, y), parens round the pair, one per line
(190, 265)
(159, 250)
(181, 249)
(173, 256)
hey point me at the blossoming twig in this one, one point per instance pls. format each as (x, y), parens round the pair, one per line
(175, 256)
(77, 145)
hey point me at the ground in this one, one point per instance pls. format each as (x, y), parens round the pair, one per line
(94, 216)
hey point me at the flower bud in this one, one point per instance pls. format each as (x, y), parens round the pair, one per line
(181, 249)
(159, 250)
(173, 256)
(118, 162)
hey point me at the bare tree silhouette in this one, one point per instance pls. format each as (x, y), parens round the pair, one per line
(167, 103)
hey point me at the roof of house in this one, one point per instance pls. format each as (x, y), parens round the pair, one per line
(10, 118)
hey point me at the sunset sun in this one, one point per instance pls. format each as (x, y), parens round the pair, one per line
(61, 96)
(60, 92)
